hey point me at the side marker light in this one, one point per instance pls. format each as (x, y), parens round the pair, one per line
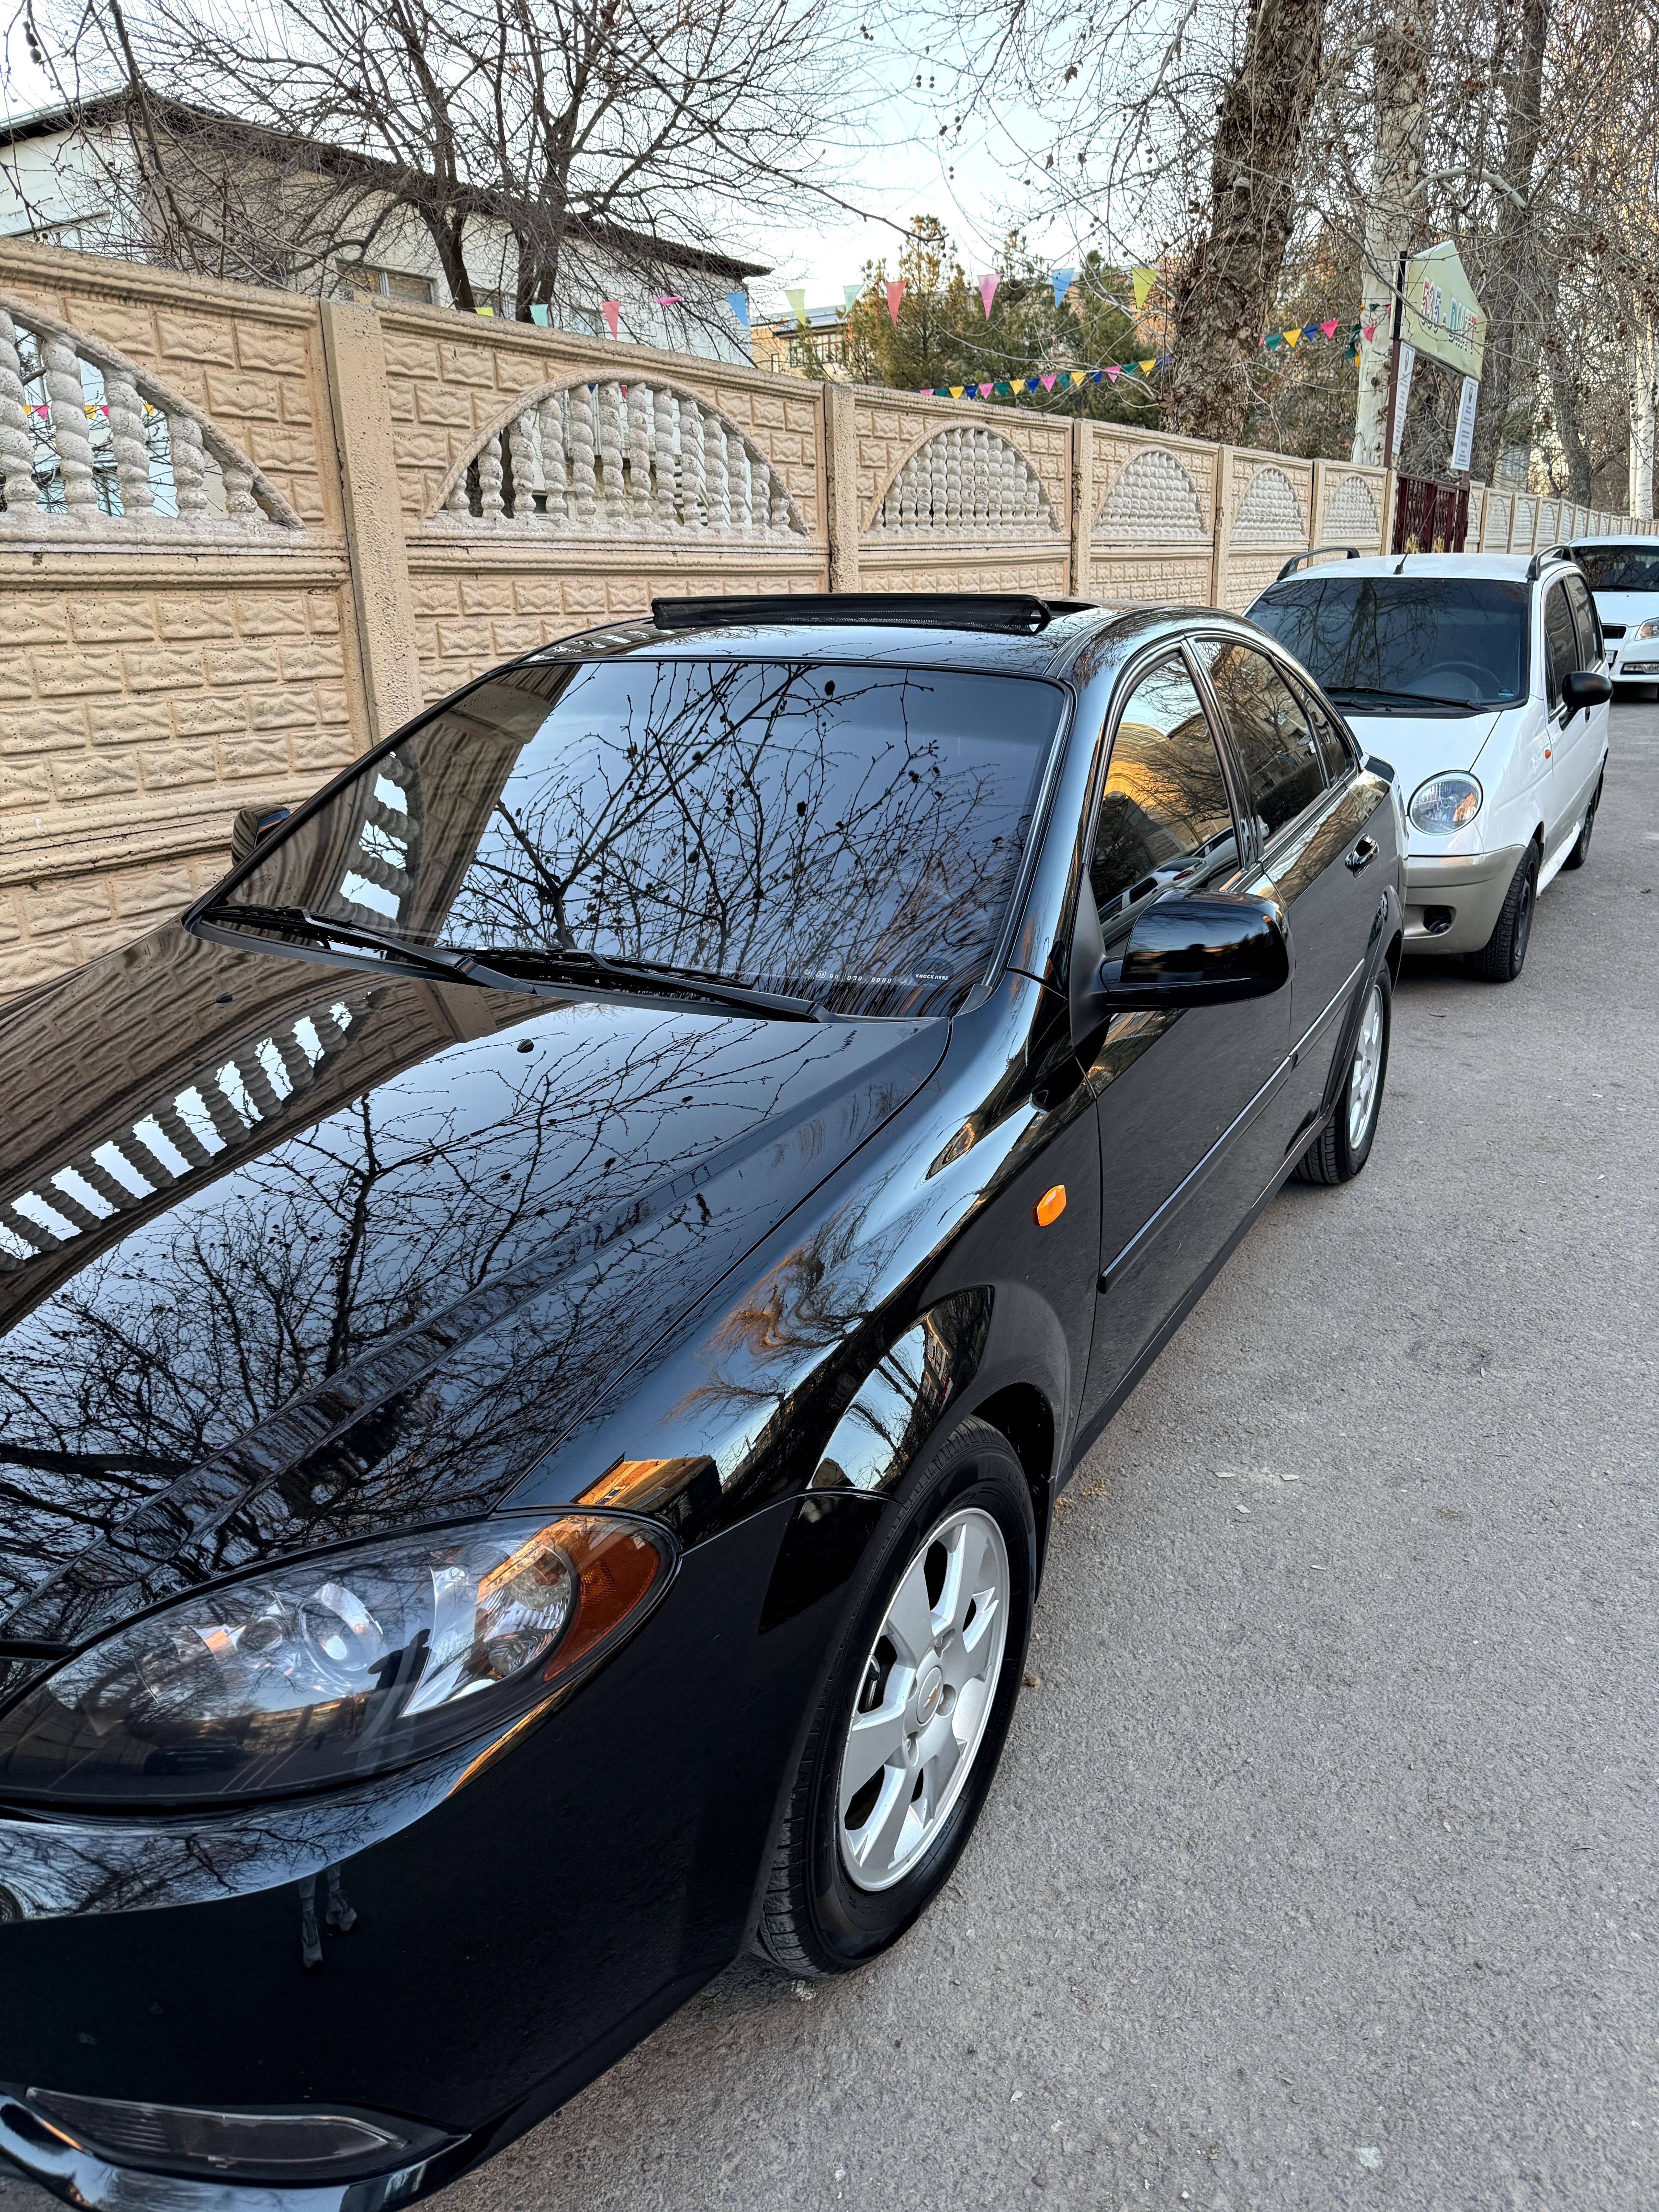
(1049, 1207)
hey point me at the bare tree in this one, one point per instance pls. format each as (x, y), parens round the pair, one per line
(518, 135)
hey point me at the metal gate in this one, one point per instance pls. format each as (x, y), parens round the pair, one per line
(1430, 517)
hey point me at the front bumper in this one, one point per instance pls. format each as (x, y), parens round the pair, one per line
(82, 2175)
(464, 1951)
(1453, 900)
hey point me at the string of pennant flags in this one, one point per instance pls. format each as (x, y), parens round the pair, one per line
(1142, 281)
(1047, 380)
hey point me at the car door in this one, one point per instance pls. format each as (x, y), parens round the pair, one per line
(1185, 1100)
(1565, 736)
(1312, 812)
(1584, 739)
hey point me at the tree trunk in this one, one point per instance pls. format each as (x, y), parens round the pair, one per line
(1227, 294)
(1511, 311)
(1644, 389)
(1392, 212)
(1569, 414)
(447, 229)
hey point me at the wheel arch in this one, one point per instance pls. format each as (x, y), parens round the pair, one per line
(1020, 1411)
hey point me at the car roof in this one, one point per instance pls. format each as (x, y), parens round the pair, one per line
(1073, 629)
(1495, 568)
(1649, 540)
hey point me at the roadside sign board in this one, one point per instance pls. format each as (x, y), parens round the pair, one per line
(1441, 316)
(1463, 441)
(1406, 361)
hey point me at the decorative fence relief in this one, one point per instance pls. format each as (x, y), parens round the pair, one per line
(243, 534)
(612, 456)
(89, 440)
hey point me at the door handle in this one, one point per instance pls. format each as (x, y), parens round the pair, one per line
(1362, 855)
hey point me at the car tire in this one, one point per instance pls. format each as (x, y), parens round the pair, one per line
(1344, 1145)
(1580, 852)
(819, 1915)
(1504, 955)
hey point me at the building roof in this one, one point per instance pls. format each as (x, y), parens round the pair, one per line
(181, 116)
(817, 318)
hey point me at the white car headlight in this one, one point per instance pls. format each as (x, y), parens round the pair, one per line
(1646, 629)
(1446, 802)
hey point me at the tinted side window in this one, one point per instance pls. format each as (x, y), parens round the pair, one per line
(1333, 747)
(1164, 815)
(1560, 643)
(1277, 749)
(1583, 616)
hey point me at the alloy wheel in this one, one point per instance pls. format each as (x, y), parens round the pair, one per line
(1367, 1068)
(924, 1699)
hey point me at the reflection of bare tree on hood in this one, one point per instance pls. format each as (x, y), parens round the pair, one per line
(422, 1210)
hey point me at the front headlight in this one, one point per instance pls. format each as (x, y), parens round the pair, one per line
(336, 1665)
(1646, 629)
(1446, 802)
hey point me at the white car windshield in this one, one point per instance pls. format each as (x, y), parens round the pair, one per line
(1619, 568)
(1445, 643)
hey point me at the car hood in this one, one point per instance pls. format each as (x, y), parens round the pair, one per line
(1421, 745)
(290, 1252)
(1626, 607)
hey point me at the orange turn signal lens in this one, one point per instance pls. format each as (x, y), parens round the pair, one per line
(1049, 1207)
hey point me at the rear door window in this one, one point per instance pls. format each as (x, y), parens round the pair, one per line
(1560, 643)
(1334, 747)
(1283, 766)
(1583, 616)
(1164, 818)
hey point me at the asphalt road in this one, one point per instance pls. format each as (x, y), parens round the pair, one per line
(1324, 1866)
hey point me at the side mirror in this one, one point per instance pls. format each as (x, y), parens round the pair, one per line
(1205, 951)
(1584, 689)
(251, 824)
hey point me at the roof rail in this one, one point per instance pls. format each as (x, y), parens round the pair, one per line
(1020, 612)
(1535, 566)
(1349, 552)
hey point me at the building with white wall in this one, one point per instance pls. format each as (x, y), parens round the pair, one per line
(72, 175)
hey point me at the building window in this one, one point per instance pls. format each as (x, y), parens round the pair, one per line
(388, 283)
(827, 345)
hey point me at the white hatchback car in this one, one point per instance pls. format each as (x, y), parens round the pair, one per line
(1624, 580)
(1481, 678)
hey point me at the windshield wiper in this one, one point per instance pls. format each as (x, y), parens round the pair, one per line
(1417, 698)
(484, 965)
(568, 965)
(300, 921)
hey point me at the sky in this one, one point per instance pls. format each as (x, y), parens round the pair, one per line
(902, 176)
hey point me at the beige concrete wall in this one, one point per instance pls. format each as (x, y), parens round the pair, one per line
(374, 506)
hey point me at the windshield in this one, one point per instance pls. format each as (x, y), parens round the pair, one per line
(1619, 568)
(846, 834)
(1450, 638)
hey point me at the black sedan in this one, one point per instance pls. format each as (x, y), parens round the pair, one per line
(544, 1319)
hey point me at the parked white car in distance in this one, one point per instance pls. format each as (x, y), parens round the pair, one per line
(1481, 678)
(1623, 574)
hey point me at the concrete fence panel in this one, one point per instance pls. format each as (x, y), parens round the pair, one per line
(1266, 518)
(543, 486)
(1350, 505)
(175, 606)
(1146, 507)
(949, 497)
